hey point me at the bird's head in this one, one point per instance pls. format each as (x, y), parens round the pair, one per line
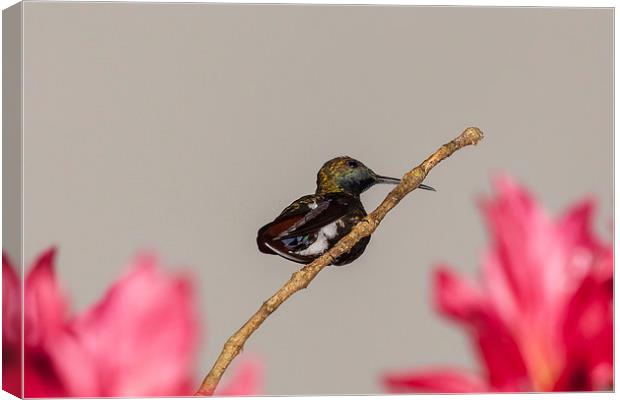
(346, 174)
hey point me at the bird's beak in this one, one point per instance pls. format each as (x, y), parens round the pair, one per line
(394, 181)
(426, 187)
(387, 179)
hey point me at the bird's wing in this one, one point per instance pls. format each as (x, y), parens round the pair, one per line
(305, 216)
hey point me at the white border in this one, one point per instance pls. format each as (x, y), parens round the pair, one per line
(482, 3)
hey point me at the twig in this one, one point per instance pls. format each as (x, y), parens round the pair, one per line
(302, 278)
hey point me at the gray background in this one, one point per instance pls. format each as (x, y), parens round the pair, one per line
(185, 127)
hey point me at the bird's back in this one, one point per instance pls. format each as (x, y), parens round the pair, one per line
(311, 225)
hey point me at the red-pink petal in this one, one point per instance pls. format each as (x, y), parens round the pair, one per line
(583, 248)
(603, 265)
(140, 339)
(576, 225)
(495, 343)
(437, 380)
(526, 244)
(45, 314)
(45, 306)
(454, 296)
(40, 376)
(247, 379)
(67, 351)
(588, 337)
(11, 329)
(500, 352)
(528, 267)
(12, 373)
(497, 287)
(11, 302)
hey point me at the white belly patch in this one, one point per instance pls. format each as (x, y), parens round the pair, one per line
(321, 244)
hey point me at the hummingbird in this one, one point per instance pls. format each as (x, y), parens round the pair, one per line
(312, 224)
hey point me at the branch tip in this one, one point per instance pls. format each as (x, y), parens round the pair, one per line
(472, 135)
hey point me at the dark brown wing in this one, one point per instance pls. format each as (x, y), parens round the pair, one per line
(296, 227)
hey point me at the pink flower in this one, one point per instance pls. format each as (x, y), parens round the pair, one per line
(11, 330)
(541, 318)
(139, 340)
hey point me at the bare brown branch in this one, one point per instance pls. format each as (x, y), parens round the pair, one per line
(302, 278)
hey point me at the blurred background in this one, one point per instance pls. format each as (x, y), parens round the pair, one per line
(183, 128)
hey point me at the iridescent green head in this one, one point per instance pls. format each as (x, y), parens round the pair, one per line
(345, 174)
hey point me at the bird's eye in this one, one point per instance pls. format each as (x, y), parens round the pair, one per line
(352, 164)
